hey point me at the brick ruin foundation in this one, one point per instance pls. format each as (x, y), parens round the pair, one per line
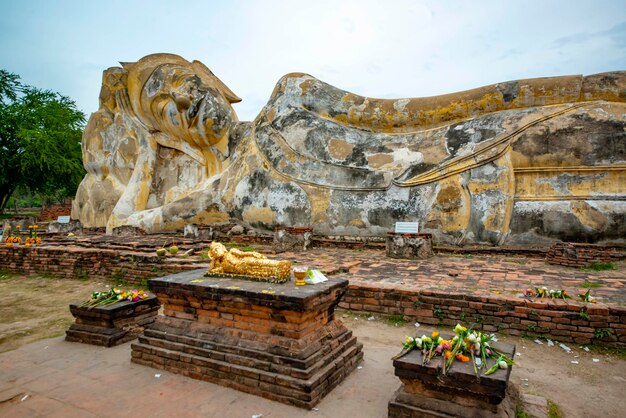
(278, 341)
(94, 263)
(568, 321)
(573, 254)
(551, 318)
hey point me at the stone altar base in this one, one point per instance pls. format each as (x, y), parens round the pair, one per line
(410, 246)
(113, 324)
(278, 341)
(426, 392)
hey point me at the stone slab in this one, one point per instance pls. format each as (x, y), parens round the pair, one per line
(286, 296)
(115, 310)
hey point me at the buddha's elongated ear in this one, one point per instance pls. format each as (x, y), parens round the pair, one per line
(227, 92)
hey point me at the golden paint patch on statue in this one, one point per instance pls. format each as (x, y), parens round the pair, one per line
(249, 265)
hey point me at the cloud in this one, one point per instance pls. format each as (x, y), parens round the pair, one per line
(402, 48)
(616, 34)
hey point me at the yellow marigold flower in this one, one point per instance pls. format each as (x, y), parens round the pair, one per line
(434, 334)
(18, 226)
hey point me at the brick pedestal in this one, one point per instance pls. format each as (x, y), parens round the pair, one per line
(111, 325)
(410, 246)
(426, 392)
(278, 341)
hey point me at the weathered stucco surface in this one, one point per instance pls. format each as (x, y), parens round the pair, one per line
(521, 162)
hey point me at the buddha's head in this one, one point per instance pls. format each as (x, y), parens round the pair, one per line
(181, 99)
(217, 250)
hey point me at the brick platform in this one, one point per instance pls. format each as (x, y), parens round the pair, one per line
(443, 290)
(426, 392)
(113, 324)
(281, 342)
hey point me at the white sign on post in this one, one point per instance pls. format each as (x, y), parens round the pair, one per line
(63, 219)
(407, 227)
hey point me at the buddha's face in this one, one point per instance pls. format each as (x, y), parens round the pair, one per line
(185, 105)
(217, 250)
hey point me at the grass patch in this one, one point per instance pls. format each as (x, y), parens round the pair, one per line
(246, 248)
(600, 267)
(395, 320)
(520, 413)
(119, 276)
(438, 313)
(554, 411)
(617, 352)
(4, 216)
(81, 274)
(602, 333)
(458, 255)
(590, 285)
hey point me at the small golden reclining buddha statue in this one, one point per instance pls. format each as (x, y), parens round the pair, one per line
(251, 264)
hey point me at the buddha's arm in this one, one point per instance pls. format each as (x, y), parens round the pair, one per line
(216, 266)
(249, 254)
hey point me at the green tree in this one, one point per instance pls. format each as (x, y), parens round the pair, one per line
(40, 133)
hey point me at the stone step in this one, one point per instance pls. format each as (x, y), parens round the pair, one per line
(296, 391)
(254, 359)
(97, 338)
(260, 342)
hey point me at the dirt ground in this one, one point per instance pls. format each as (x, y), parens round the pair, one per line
(36, 307)
(583, 389)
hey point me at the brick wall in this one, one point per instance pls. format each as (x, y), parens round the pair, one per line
(581, 255)
(566, 321)
(52, 212)
(92, 263)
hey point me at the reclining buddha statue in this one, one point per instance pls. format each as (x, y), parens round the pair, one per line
(519, 162)
(246, 263)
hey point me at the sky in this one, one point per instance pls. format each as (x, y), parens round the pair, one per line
(382, 49)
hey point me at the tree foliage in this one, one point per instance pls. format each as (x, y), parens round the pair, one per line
(40, 134)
